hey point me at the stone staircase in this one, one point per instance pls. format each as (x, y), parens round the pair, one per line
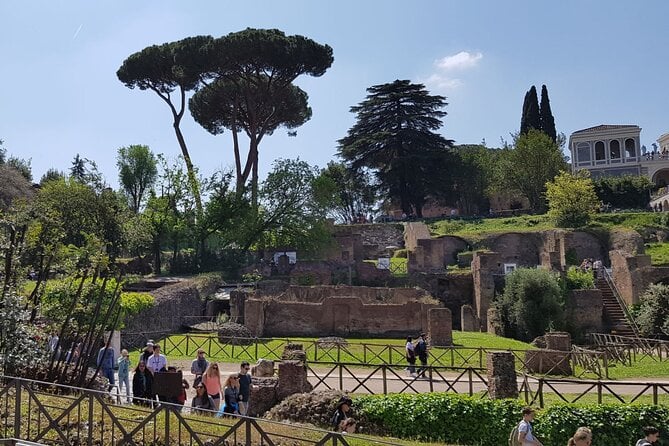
(614, 313)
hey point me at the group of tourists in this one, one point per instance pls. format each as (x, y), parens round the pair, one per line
(523, 435)
(413, 350)
(149, 381)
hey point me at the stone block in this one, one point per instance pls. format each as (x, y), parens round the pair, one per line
(263, 395)
(440, 326)
(468, 319)
(263, 368)
(494, 322)
(292, 379)
(502, 382)
(558, 340)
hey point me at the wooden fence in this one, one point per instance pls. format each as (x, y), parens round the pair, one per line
(49, 414)
(589, 363)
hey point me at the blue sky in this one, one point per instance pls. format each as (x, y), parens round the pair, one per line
(603, 63)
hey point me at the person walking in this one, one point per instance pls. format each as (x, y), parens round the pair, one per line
(123, 363)
(142, 385)
(651, 435)
(156, 362)
(148, 351)
(582, 437)
(105, 362)
(198, 366)
(244, 387)
(212, 381)
(231, 393)
(525, 435)
(410, 351)
(421, 352)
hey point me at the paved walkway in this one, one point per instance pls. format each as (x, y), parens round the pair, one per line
(366, 380)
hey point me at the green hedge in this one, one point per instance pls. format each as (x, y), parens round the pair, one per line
(453, 419)
(463, 420)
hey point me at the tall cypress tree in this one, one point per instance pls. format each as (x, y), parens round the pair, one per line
(547, 120)
(530, 118)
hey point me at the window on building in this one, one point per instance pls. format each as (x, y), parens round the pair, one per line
(614, 150)
(630, 148)
(600, 152)
(583, 153)
(509, 268)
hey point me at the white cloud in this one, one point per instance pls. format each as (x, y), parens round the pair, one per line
(443, 79)
(459, 61)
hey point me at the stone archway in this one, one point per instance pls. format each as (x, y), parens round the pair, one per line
(661, 177)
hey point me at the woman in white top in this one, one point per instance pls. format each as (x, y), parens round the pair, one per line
(411, 356)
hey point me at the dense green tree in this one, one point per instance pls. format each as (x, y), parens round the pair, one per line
(78, 169)
(292, 209)
(355, 192)
(51, 174)
(137, 172)
(251, 107)
(85, 171)
(530, 118)
(79, 211)
(395, 136)
(531, 304)
(626, 192)
(526, 168)
(255, 69)
(653, 314)
(174, 67)
(571, 199)
(546, 115)
(473, 176)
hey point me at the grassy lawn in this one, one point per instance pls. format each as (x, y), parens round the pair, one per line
(476, 229)
(366, 351)
(642, 368)
(659, 253)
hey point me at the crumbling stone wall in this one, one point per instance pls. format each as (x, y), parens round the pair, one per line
(171, 302)
(317, 294)
(484, 266)
(585, 312)
(340, 316)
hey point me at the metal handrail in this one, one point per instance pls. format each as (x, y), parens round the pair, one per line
(621, 302)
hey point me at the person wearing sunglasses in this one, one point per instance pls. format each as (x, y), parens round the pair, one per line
(202, 403)
(232, 395)
(212, 381)
(244, 387)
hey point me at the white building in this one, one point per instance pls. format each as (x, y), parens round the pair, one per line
(615, 150)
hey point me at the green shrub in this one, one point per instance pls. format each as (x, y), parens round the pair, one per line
(611, 424)
(448, 418)
(532, 303)
(571, 199)
(653, 311)
(577, 279)
(463, 420)
(133, 303)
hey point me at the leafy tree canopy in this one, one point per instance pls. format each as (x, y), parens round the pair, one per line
(626, 192)
(355, 191)
(137, 172)
(571, 199)
(395, 136)
(526, 168)
(532, 303)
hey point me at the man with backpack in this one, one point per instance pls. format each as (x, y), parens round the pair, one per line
(522, 434)
(421, 352)
(652, 434)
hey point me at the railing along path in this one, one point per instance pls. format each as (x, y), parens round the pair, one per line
(590, 363)
(50, 414)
